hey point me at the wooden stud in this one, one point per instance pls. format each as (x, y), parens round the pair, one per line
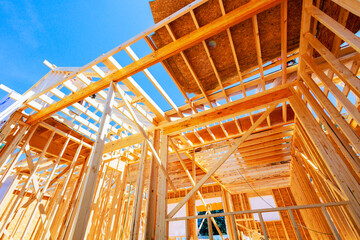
(149, 229)
(161, 231)
(86, 196)
(135, 221)
(329, 155)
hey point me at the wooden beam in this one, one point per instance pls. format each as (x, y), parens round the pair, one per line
(338, 67)
(258, 50)
(238, 15)
(227, 110)
(219, 113)
(230, 227)
(352, 110)
(350, 5)
(40, 194)
(221, 161)
(305, 27)
(33, 170)
(161, 231)
(58, 198)
(123, 142)
(337, 168)
(284, 52)
(104, 57)
(154, 81)
(335, 27)
(338, 119)
(264, 210)
(135, 221)
(171, 74)
(210, 58)
(191, 69)
(10, 124)
(142, 131)
(12, 144)
(149, 229)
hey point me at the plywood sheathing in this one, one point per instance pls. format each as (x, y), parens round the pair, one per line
(219, 45)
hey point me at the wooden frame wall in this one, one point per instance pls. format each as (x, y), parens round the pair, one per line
(66, 187)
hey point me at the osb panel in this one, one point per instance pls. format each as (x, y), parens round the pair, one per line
(219, 45)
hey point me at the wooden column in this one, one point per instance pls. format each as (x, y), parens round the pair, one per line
(151, 202)
(229, 224)
(87, 194)
(191, 207)
(305, 27)
(210, 229)
(120, 205)
(191, 223)
(135, 221)
(161, 207)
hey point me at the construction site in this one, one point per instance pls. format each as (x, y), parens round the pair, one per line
(266, 145)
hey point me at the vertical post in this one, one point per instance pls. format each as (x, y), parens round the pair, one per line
(120, 204)
(149, 228)
(191, 209)
(331, 223)
(263, 226)
(234, 227)
(294, 224)
(87, 194)
(226, 206)
(305, 27)
(161, 208)
(135, 221)
(211, 237)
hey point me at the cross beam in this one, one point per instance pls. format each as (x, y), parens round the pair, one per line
(222, 23)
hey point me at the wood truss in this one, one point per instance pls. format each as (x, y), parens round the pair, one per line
(87, 153)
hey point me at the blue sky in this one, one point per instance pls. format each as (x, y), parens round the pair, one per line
(66, 33)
